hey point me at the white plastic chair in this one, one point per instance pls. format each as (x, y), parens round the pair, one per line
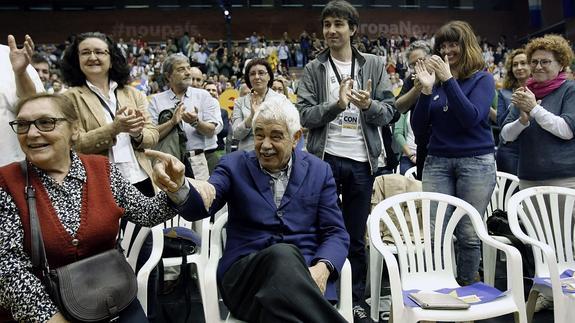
(428, 267)
(217, 242)
(200, 257)
(410, 173)
(505, 187)
(132, 252)
(546, 212)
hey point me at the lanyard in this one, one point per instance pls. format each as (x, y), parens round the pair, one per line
(335, 68)
(338, 77)
(105, 105)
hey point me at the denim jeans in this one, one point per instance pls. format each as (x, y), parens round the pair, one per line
(471, 179)
(354, 182)
(405, 164)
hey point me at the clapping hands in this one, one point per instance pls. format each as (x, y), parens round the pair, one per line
(440, 67)
(128, 120)
(425, 78)
(359, 98)
(524, 99)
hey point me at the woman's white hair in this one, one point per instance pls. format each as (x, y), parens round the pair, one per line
(279, 109)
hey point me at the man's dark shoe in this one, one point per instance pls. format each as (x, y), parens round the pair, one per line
(361, 313)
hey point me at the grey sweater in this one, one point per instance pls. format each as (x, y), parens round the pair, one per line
(542, 155)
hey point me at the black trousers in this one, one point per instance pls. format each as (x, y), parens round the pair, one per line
(275, 285)
(355, 184)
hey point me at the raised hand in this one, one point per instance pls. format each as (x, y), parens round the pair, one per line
(524, 99)
(361, 98)
(344, 92)
(190, 116)
(20, 58)
(255, 102)
(128, 120)
(178, 113)
(138, 124)
(440, 67)
(425, 78)
(168, 172)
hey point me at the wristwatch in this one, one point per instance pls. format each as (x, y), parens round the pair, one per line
(195, 124)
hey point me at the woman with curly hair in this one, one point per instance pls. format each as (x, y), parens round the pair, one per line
(454, 102)
(543, 117)
(114, 118)
(518, 71)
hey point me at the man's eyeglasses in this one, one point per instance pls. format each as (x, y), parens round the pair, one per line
(98, 52)
(43, 124)
(258, 73)
(543, 62)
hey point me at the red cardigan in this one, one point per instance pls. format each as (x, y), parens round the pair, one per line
(99, 218)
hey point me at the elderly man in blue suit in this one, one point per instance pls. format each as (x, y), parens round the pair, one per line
(286, 240)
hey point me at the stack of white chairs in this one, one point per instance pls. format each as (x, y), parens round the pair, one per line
(427, 266)
(132, 251)
(547, 216)
(506, 185)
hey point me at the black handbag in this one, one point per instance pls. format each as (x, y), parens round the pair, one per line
(94, 289)
(180, 298)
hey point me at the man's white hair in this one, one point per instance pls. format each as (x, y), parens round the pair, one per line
(279, 109)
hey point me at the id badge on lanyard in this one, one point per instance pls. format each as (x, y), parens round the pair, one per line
(349, 122)
(349, 117)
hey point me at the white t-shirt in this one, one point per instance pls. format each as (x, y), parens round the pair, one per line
(350, 146)
(409, 137)
(9, 145)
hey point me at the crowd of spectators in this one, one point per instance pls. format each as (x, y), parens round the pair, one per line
(224, 66)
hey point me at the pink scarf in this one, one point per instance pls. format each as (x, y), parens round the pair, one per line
(541, 89)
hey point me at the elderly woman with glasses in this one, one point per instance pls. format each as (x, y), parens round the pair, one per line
(79, 198)
(259, 77)
(114, 119)
(542, 116)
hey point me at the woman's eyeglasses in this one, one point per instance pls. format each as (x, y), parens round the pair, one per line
(43, 124)
(258, 73)
(98, 52)
(543, 62)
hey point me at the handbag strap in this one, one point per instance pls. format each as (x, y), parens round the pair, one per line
(38, 252)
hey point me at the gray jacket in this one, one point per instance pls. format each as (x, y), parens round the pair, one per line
(316, 112)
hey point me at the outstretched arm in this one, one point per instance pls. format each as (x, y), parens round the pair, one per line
(20, 59)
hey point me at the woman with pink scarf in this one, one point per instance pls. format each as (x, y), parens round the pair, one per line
(542, 118)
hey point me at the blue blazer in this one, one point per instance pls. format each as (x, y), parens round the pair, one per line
(308, 216)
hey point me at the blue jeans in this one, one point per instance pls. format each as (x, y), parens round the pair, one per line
(471, 179)
(405, 164)
(354, 182)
